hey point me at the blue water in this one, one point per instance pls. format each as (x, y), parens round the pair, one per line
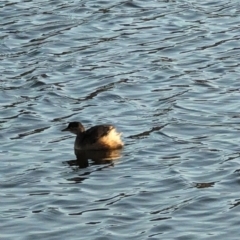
(166, 74)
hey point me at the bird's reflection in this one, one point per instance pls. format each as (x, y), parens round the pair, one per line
(97, 157)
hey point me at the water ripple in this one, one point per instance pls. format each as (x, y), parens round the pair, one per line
(165, 73)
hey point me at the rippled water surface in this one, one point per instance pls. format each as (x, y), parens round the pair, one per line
(166, 74)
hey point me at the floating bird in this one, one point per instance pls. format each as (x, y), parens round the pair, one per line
(100, 137)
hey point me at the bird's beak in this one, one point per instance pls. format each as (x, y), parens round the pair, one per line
(65, 129)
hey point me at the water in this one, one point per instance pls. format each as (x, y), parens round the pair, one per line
(166, 73)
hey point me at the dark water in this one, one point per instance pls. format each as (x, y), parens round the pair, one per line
(166, 73)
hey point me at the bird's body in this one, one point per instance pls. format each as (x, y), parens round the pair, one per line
(100, 137)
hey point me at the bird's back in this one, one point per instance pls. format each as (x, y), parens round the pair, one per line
(98, 138)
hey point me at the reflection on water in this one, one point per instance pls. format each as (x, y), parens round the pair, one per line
(204, 185)
(98, 157)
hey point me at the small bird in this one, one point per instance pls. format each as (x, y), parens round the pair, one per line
(100, 137)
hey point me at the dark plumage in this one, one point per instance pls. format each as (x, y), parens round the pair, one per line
(100, 137)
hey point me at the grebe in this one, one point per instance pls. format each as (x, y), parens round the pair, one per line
(100, 137)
